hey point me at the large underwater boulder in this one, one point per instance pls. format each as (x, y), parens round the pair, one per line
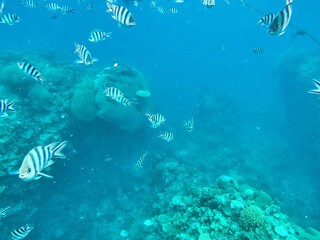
(90, 101)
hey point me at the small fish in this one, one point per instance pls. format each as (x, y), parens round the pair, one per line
(21, 232)
(317, 84)
(155, 119)
(188, 125)
(112, 92)
(84, 55)
(38, 159)
(172, 10)
(9, 18)
(52, 7)
(256, 50)
(3, 212)
(31, 71)
(97, 35)
(4, 106)
(281, 21)
(66, 9)
(29, 3)
(167, 136)
(141, 159)
(208, 3)
(121, 15)
(267, 19)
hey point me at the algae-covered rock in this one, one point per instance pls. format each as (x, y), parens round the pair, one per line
(83, 102)
(128, 81)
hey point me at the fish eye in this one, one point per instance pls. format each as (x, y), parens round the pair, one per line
(28, 170)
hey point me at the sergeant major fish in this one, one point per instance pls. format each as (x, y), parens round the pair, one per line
(121, 15)
(9, 18)
(155, 119)
(167, 136)
(208, 3)
(281, 21)
(31, 71)
(141, 159)
(97, 35)
(29, 3)
(21, 232)
(84, 55)
(4, 106)
(112, 92)
(38, 159)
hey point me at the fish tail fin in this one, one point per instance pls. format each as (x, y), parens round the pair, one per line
(110, 7)
(58, 148)
(42, 79)
(9, 106)
(316, 82)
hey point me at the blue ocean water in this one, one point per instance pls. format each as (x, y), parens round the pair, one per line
(253, 117)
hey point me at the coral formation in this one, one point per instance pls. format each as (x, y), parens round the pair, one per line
(89, 99)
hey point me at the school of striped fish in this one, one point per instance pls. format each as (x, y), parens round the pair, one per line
(39, 158)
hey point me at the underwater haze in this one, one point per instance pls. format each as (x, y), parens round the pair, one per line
(166, 119)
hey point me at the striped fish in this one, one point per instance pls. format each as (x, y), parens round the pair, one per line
(97, 35)
(141, 159)
(4, 106)
(281, 21)
(31, 71)
(29, 3)
(9, 18)
(21, 232)
(84, 55)
(112, 92)
(172, 10)
(121, 15)
(267, 19)
(52, 7)
(256, 50)
(123, 100)
(188, 125)
(208, 3)
(66, 9)
(155, 119)
(317, 84)
(167, 136)
(3, 212)
(38, 159)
